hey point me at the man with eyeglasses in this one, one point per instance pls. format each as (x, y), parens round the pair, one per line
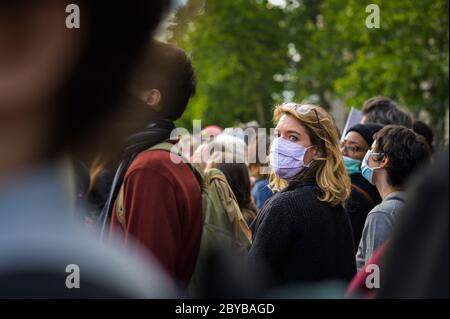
(364, 196)
(397, 152)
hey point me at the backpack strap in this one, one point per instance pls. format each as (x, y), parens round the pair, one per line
(173, 149)
(365, 194)
(120, 211)
(168, 147)
(231, 206)
(164, 146)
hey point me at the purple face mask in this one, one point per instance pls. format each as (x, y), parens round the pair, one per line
(287, 158)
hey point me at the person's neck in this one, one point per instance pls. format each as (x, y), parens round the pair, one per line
(385, 189)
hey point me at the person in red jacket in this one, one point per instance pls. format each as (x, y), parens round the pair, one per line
(365, 284)
(161, 198)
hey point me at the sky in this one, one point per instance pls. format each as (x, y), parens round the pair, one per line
(180, 2)
(279, 3)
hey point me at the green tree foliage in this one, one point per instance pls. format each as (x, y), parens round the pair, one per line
(237, 47)
(248, 54)
(406, 58)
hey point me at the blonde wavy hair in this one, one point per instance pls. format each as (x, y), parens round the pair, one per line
(328, 170)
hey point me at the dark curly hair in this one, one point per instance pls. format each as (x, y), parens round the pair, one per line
(407, 151)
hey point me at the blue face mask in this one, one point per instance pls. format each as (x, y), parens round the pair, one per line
(352, 165)
(366, 171)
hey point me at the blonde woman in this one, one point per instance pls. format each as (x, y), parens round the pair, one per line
(303, 233)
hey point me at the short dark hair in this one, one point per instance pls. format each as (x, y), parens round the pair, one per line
(425, 130)
(406, 150)
(169, 70)
(382, 110)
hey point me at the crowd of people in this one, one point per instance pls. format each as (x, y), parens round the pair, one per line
(147, 212)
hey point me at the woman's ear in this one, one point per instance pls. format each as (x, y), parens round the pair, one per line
(316, 153)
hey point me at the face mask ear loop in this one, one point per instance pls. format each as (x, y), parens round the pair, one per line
(379, 160)
(374, 168)
(312, 159)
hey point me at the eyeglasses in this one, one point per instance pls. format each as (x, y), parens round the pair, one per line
(375, 154)
(351, 148)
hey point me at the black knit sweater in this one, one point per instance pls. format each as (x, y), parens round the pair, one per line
(298, 238)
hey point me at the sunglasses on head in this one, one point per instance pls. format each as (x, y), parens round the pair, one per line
(304, 109)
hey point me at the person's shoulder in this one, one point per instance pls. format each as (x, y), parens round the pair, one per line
(378, 213)
(392, 203)
(158, 162)
(110, 269)
(307, 194)
(261, 183)
(139, 271)
(277, 199)
(261, 186)
(292, 199)
(276, 210)
(155, 159)
(385, 209)
(159, 165)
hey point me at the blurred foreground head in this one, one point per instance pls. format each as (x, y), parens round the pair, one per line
(58, 85)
